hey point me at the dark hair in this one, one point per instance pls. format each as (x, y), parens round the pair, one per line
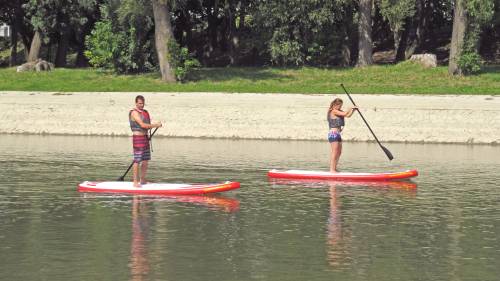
(139, 97)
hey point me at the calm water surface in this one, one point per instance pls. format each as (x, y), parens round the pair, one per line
(444, 225)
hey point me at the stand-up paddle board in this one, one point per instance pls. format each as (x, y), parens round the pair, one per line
(315, 183)
(156, 188)
(318, 175)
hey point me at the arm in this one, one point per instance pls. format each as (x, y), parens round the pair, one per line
(137, 118)
(347, 113)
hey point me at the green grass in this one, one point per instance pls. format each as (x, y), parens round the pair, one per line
(403, 78)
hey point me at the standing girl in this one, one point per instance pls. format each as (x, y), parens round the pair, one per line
(336, 123)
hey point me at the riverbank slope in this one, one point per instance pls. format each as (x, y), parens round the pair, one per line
(394, 118)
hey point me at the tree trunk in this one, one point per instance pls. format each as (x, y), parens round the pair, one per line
(243, 6)
(36, 45)
(26, 43)
(81, 59)
(416, 31)
(365, 51)
(25, 33)
(402, 37)
(212, 31)
(62, 46)
(163, 35)
(345, 59)
(457, 37)
(13, 50)
(348, 48)
(232, 33)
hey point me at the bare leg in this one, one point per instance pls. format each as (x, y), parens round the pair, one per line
(333, 157)
(136, 174)
(144, 170)
(339, 151)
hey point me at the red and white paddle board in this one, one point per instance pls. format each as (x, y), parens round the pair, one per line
(156, 188)
(319, 175)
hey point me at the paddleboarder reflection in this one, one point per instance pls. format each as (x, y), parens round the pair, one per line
(338, 238)
(141, 226)
(139, 265)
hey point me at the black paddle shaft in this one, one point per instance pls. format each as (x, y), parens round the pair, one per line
(122, 178)
(386, 151)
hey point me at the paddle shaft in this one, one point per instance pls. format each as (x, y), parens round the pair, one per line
(386, 151)
(132, 164)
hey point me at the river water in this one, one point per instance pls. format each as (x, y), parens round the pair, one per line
(444, 225)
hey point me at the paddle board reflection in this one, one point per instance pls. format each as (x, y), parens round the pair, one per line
(141, 225)
(214, 202)
(338, 237)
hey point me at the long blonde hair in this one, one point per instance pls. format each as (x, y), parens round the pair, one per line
(335, 102)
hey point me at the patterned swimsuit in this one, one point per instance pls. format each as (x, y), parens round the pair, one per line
(338, 122)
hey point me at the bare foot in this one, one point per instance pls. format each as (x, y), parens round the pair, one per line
(334, 171)
(136, 184)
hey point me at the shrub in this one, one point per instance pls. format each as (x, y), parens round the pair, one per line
(119, 51)
(181, 60)
(102, 45)
(470, 63)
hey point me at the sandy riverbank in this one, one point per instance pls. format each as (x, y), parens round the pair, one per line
(394, 118)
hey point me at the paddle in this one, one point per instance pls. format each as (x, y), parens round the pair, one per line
(122, 178)
(386, 151)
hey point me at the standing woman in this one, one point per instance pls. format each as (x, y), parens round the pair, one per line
(336, 123)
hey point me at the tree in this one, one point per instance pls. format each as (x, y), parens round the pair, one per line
(58, 22)
(12, 13)
(398, 13)
(457, 37)
(469, 17)
(365, 51)
(42, 19)
(70, 22)
(415, 30)
(299, 32)
(163, 35)
(122, 39)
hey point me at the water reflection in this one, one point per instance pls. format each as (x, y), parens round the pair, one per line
(337, 241)
(449, 226)
(139, 265)
(142, 220)
(338, 237)
(213, 202)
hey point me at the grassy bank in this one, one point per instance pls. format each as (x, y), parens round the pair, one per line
(404, 78)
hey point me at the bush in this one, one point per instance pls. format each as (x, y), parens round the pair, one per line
(117, 50)
(181, 60)
(102, 45)
(286, 53)
(470, 63)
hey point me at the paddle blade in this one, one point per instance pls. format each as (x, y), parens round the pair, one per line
(387, 152)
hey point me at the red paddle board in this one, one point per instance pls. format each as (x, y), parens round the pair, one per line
(156, 188)
(319, 175)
